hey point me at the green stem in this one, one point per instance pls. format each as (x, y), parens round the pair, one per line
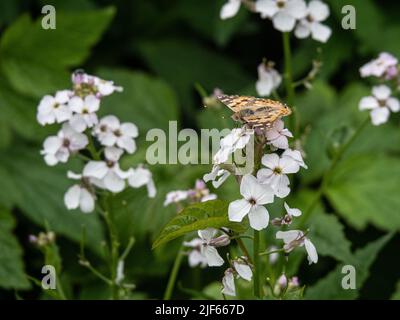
(289, 82)
(257, 266)
(244, 249)
(328, 174)
(173, 275)
(267, 253)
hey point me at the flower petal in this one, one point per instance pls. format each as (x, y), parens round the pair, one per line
(367, 103)
(86, 201)
(258, 217)
(207, 234)
(311, 251)
(243, 269)
(72, 197)
(229, 9)
(318, 10)
(320, 32)
(212, 256)
(381, 92)
(95, 169)
(380, 116)
(113, 182)
(238, 209)
(283, 22)
(270, 160)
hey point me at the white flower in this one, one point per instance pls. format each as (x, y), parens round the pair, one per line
(296, 156)
(230, 9)
(201, 193)
(240, 268)
(79, 196)
(283, 13)
(228, 283)
(217, 176)
(207, 248)
(292, 212)
(278, 135)
(54, 109)
(317, 12)
(142, 177)
(85, 112)
(108, 172)
(297, 238)
(175, 197)
(237, 139)
(111, 132)
(255, 195)
(195, 256)
(105, 88)
(58, 148)
(276, 172)
(380, 66)
(268, 79)
(380, 104)
(99, 86)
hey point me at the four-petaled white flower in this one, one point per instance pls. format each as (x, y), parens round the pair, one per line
(54, 109)
(230, 9)
(201, 192)
(58, 148)
(207, 248)
(217, 176)
(111, 132)
(384, 65)
(255, 195)
(142, 177)
(277, 135)
(268, 79)
(276, 172)
(317, 11)
(237, 139)
(296, 156)
(380, 104)
(84, 112)
(283, 13)
(297, 238)
(108, 172)
(79, 195)
(241, 269)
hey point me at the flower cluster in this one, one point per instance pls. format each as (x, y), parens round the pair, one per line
(288, 15)
(381, 103)
(101, 143)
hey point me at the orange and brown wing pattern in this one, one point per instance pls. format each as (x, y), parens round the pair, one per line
(255, 111)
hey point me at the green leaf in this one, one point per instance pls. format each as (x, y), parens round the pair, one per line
(330, 287)
(12, 274)
(35, 60)
(327, 233)
(199, 216)
(147, 101)
(364, 190)
(40, 196)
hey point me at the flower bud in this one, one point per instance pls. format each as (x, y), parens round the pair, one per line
(220, 241)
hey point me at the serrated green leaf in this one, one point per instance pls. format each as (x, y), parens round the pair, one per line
(12, 274)
(330, 287)
(364, 190)
(199, 216)
(35, 60)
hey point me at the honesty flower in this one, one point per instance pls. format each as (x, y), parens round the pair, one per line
(79, 195)
(268, 79)
(175, 197)
(54, 109)
(108, 172)
(236, 139)
(277, 135)
(217, 176)
(142, 177)
(283, 13)
(58, 148)
(288, 217)
(201, 193)
(317, 11)
(241, 269)
(85, 112)
(255, 195)
(276, 172)
(297, 238)
(230, 9)
(93, 84)
(111, 132)
(380, 104)
(208, 249)
(384, 65)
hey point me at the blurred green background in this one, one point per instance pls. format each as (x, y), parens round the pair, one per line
(158, 51)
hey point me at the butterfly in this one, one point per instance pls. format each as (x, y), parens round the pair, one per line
(255, 112)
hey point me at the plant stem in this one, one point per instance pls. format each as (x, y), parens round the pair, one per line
(257, 266)
(267, 253)
(244, 249)
(326, 179)
(173, 275)
(289, 82)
